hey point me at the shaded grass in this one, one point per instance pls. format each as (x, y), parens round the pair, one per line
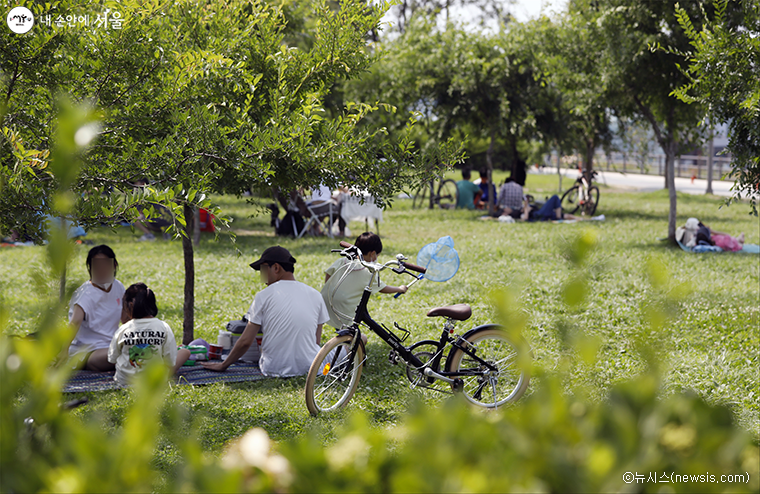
(712, 346)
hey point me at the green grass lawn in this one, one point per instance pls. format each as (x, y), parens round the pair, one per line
(712, 346)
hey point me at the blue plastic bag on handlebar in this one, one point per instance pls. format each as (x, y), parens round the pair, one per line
(440, 259)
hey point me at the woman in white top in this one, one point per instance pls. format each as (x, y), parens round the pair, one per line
(143, 337)
(95, 310)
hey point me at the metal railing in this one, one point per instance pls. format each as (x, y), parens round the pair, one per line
(686, 166)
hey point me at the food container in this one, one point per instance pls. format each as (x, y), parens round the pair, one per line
(224, 339)
(214, 352)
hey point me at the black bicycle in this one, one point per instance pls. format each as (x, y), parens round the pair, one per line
(582, 195)
(486, 364)
(445, 198)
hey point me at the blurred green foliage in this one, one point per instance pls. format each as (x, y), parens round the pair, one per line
(559, 438)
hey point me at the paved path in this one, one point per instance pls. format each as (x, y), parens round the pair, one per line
(646, 183)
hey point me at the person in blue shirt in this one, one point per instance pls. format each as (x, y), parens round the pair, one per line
(486, 188)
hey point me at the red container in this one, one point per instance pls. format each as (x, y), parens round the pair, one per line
(214, 352)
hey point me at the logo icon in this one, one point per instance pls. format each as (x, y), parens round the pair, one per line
(20, 20)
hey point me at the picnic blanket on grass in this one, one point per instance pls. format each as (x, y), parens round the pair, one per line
(85, 381)
(747, 249)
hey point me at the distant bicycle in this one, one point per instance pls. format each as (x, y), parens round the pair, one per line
(444, 198)
(583, 196)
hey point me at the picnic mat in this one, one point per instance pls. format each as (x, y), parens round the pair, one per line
(84, 381)
(747, 249)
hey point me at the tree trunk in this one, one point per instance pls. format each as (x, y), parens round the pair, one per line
(670, 181)
(62, 288)
(489, 162)
(187, 251)
(710, 155)
(559, 170)
(197, 229)
(588, 162)
(668, 143)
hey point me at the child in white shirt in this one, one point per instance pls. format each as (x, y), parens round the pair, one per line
(342, 294)
(143, 337)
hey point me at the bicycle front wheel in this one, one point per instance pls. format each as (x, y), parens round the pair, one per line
(491, 388)
(447, 194)
(333, 376)
(571, 200)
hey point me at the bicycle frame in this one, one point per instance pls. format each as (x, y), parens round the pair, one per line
(406, 354)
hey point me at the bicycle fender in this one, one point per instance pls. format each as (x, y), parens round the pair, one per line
(447, 367)
(350, 332)
(423, 342)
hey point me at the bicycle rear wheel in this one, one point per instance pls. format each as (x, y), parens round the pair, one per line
(421, 197)
(571, 200)
(447, 194)
(592, 202)
(486, 388)
(333, 376)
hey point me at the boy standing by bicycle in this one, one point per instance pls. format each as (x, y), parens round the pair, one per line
(346, 280)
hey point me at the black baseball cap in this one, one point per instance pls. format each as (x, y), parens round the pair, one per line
(272, 255)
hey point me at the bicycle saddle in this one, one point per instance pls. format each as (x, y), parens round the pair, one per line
(460, 312)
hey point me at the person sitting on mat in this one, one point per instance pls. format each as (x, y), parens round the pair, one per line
(290, 314)
(468, 193)
(486, 189)
(143, 337)
(511, 194)
(95, 310)
(346, 280)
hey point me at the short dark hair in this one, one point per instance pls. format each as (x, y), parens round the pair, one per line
(287, 266)
(290, 268)
(106, 251)
(466, 173)
(368, 242)
(483, 173)
(143, 301)
(518, 173)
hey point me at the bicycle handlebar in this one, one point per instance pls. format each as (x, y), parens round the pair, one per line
(376, 267)
(413, 267)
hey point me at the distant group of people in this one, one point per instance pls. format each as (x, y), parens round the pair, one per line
(322, 204)
(119, 329)
(510, 200)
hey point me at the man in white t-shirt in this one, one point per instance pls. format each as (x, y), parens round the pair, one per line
(290, 314)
